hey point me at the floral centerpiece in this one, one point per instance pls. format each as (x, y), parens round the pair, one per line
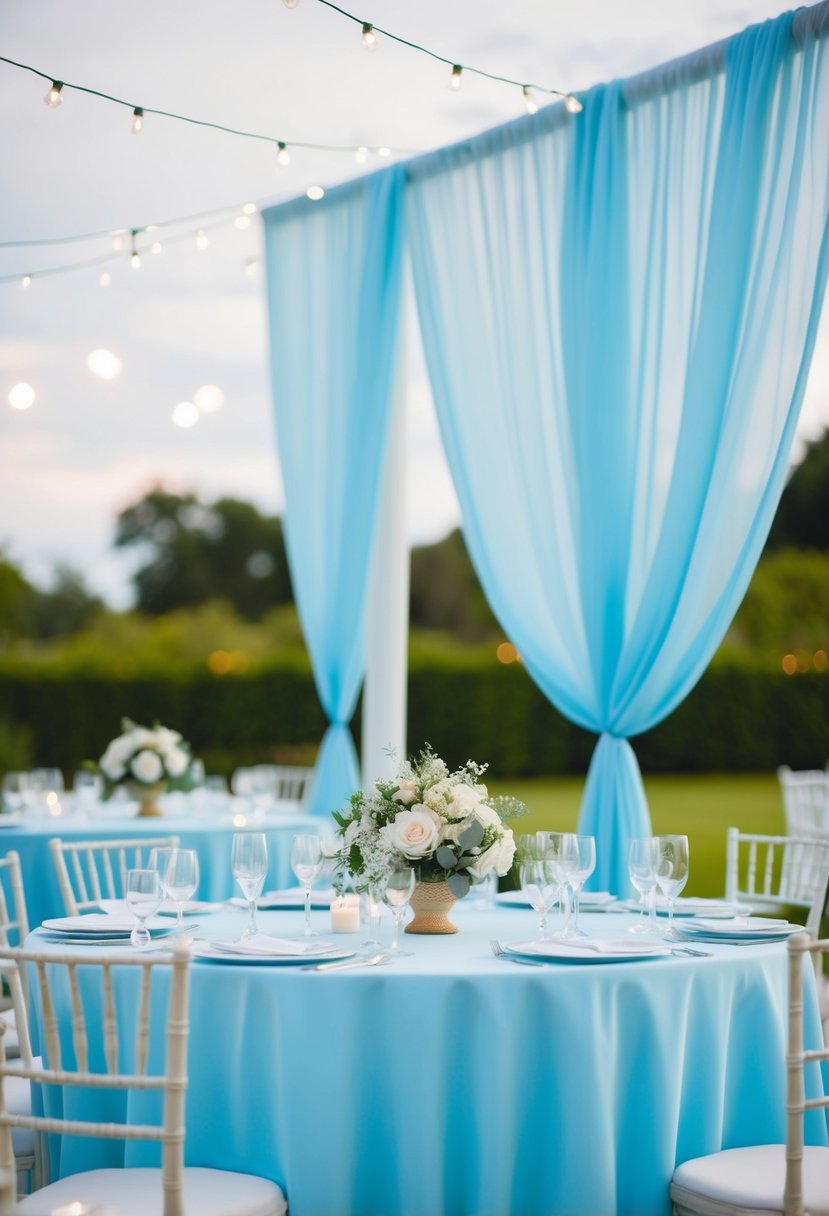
(147, 760)
(443, 824)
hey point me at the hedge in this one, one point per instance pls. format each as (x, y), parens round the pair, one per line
(736, 719)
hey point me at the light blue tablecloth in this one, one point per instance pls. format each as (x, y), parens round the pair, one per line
(210, 837)
(454, 1084)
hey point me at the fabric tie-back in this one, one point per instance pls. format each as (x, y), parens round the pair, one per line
(618, 312)
(334, 302)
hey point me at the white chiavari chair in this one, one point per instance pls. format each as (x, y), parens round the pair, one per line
(774, 872)
(91, 870)
(786, 1180)
(14, 929)
(805, 801)
(113, 1057)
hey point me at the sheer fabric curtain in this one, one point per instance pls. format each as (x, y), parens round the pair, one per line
(334, 276)
(618, 313)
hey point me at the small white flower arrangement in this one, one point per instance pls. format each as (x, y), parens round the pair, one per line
(444, 824)
(147, 756)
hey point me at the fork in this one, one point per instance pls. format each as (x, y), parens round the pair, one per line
(499, 952)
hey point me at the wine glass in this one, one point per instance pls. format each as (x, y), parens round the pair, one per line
(540, 883)
(306, 863)
(584, 863)
(16, 790)
(181, 877)
(561, 851)
(143, 894)
(642, 862)
(671, 870)
(249, 862)
(398, 891)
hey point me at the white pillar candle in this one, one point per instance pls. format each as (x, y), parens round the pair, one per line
(345, 914)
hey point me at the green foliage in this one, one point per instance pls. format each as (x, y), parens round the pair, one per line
(445, 592)
(786, 607)
(17, 603)
(67, 607)
(802, 519)
(199, 552)
(16, 747)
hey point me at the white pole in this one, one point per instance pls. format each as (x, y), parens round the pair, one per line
(387, 608)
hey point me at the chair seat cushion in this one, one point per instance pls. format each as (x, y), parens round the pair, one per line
(749, 1182)
(137, 1192)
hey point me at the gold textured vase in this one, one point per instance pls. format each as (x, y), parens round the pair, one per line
(147, 797)
(430, 902)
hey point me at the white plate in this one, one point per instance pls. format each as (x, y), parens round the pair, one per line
(208, 952)
(688, 906)
(290, 898)
(589, 901)
(594, 950)
(746, 927)
(101, 924)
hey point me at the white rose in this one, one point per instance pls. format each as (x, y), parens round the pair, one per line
(487, 816)
(498, 857)
(147, 766)
(407, 792)
(110, 768)
(413, 833)
(177, 762)
(167, 739)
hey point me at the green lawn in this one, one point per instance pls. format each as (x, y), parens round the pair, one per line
(702, 807)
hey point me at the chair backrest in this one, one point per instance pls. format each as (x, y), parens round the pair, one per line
(286, 782)
(772, 872)
(798, 1061)
(14, 921)
(91, 870)
(805, 801)
(75, 990)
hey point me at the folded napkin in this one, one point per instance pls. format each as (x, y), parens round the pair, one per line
(279, 947)
(592, 945)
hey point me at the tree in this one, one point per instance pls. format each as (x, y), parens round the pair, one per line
(445, 592)
(198, 552)
(17, 602)
(802, 519)
(67, 607)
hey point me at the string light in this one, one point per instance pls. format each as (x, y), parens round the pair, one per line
(104, 279)
(290, 3)
(53, 98)
(529, 101)
(156, 247)
(104, 364)
(137, 120)
(201, 239)
(185, 414)
(369, 37)
(384, 153)
(208, 399)
(26, 281)
(455, 78)
(249, 209)
(119, 242)
(283, 156)
(315, 193)
(572, 104)
(135, 260)
(241, 222)
(21, 396)
(361, 156)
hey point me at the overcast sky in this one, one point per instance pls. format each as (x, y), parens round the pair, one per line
(189, 317)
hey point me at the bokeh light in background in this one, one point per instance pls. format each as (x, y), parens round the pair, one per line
(21, 396)
(185, 414)
(208, 399)
(104, 364)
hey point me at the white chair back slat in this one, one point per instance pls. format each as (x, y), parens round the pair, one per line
(768, 871)
(752, 866)
(805, 801)
(91, 870)
(54, 971)
(79, 1039)
(795, 873)
(797, 1061)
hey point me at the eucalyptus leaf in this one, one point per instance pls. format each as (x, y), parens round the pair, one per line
(458, 884)
(471, 836)
(446, 857)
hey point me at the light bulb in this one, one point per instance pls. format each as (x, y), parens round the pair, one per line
(241, 222)
(455, 78)
(384, 152)
(119, 242)
(369, 37)
(249, 209)
(572, 104)
(137, 120)
(201, 239)
(529, 100)
(151, 228)
(104, 364)
(26, 281)
(53, 97)
(315, 193)
(21, 396)
(185, 414)
(361, 155)
(208, 399)
(104, 279)
(290, 3)
(283, 156)
(135, 260)
(156, 247)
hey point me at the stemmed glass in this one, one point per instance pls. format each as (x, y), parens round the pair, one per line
(181, 877)
(398, 891)
(560, 848)
(583, 865)
(249, 862)
(143, 899)
(540, 884)
(671, 870)
(306, 862)
(643, 856)
(16, 790)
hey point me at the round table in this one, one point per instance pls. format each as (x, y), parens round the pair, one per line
(452, 1083)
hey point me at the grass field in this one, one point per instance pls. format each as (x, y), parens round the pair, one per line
(702, 807)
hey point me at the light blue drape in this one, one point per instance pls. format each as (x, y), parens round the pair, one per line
(618, 313)
(333, 271)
